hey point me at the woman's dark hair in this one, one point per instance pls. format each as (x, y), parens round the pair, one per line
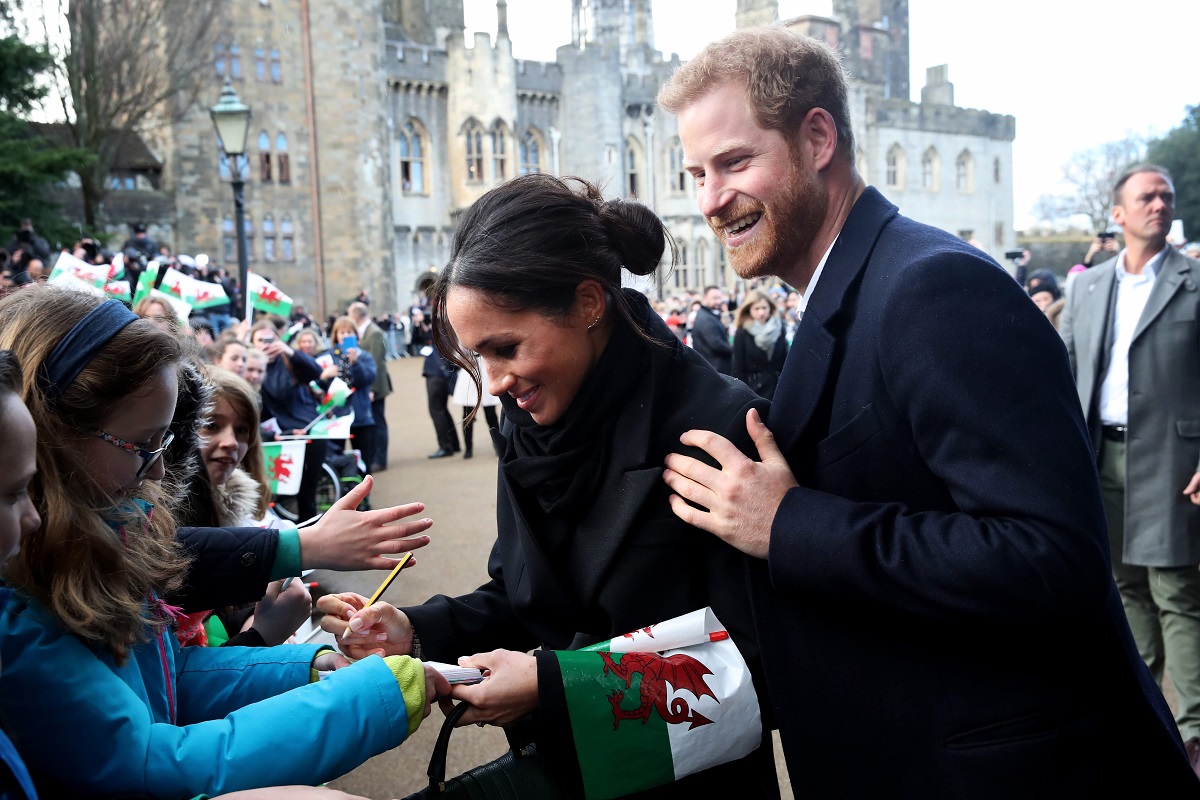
(529, 243)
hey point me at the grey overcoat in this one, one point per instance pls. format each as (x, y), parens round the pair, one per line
(1162, 527)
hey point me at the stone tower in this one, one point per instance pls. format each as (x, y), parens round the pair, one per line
(875, 42)
(756, 12)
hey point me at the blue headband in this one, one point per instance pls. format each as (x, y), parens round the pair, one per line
(80, 346)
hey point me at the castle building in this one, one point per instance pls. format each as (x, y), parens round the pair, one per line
(376, 123)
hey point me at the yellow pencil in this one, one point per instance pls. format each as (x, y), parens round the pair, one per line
(404, 559)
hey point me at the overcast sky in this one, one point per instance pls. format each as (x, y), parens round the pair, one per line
(1061, 67)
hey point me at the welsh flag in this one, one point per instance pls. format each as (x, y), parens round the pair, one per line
(333, 427)
(118, 290)
(199, 294)
(68, 280)
(266, 296)
(335, 396)
(67, 264)
(182, 308)
(662, 702)
(145, 283)
(285, 462)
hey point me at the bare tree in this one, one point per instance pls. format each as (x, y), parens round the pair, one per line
(1090, 175)
(123, 67)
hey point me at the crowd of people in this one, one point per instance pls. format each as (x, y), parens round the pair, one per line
(952, 549)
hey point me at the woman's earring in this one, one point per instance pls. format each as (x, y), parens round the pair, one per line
(595, 322)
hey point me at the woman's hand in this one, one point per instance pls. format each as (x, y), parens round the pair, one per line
(329, 372)
(351, 353)
(279, 613)
(508, 691)
(277, 348)
(382, 629)
(349, 540)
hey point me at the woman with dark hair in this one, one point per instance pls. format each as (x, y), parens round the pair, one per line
(759, 345)
(596, 392)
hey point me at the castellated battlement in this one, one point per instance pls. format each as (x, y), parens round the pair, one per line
(905, 115)
(539, 76)
(416, 62)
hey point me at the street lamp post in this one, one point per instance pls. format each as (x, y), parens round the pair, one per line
(231, 117)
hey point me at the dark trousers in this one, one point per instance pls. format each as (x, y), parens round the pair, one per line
(306, 498)
(469, 427)
(363, 438)
(379, 452)
(438, 392)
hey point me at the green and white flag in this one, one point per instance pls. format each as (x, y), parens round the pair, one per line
(335, 396)
(332, 427)
(145, 283)
(67, 264)
(68, 280)
(266, 296)
(181, 308)
(117, 290)
(198, 294)
(285, 462)
(654, 705)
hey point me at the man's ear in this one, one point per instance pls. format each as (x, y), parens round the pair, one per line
(819, 134)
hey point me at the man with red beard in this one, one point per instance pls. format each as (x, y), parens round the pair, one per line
(933, 593)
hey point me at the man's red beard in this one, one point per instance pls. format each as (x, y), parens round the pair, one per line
(784, 232)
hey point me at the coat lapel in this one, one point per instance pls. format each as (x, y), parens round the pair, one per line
(807, 369)
(1171, 276)
(1097, 301)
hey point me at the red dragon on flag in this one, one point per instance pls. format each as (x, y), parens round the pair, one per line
(679, 671)
(269, 294)
(280, 467)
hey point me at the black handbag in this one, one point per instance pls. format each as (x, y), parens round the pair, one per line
(519, 774)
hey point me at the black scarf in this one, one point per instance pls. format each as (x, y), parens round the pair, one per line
(562, 464)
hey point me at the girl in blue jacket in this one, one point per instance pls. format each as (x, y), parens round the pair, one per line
(96, 693)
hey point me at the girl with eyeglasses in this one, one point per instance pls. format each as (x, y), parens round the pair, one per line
(94, 681)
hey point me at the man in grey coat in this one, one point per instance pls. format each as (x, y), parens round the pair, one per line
(1132, 329)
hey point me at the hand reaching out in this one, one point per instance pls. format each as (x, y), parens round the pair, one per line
(346, 539)
(279, 613)
(508, 692)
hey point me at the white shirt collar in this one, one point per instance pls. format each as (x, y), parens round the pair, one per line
(362, 329)
(1151, 268)
(812, 282)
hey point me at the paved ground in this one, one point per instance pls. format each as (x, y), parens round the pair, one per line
(460, 497)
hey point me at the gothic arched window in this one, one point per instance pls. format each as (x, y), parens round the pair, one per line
(412, 158)
(895, 167)
(930, 170)
(499, 136)
(474, 153)
(264, 157)
(633, 159)
(281, 159)
(964, 172)
(679, 176)
(531, 152)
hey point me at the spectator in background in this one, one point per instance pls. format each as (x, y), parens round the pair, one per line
(759, 344)
(422, 332)
(710, 338)
(27, 240)
(437, 372)
(1104, 247)
(230, 355)
(372, 340)
(256, 368)
(140, 243)
(1045, 296)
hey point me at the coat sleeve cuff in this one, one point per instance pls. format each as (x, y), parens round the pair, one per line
(410, 677)
(287, 562)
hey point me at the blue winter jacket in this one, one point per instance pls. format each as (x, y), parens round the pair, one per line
(178, 722)
(285, 392)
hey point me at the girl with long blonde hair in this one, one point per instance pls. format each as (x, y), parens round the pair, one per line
(85, 640)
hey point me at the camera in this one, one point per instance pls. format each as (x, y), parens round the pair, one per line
(1105, 235)
(1014, 255)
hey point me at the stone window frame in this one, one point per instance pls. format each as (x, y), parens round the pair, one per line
(260, 64)
(224, 171)
(531, 143)
(894, 175)
(678, 175)
(276, 67)
(964, 172)
(264, 157)
(287, 239)
(219, 62)
(248, 224)
(228, 239)
(268, 229)
(473, 132)
(413, 143)
(283, 163)
(931, 170)
(499, 137)
(235, 62)
(632, 167)
(700, 268)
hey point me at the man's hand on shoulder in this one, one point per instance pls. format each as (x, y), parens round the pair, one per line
(739, 500)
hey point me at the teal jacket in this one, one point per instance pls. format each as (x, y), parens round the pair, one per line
(178, 722)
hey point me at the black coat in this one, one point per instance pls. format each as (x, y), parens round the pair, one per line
(755, 367)
(711, 340)
(631, 563)
(937, 614)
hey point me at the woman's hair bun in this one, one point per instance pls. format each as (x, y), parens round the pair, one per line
(636, 233)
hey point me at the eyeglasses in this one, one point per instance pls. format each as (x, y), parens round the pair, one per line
(148, 457)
